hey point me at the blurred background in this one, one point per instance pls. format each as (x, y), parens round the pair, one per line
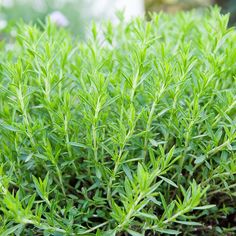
(75, 14)
(177, 5)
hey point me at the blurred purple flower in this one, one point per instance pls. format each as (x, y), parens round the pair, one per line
(59, 19)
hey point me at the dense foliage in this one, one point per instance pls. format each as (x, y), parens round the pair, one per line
(131, 132)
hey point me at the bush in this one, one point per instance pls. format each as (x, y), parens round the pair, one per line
(129, 133)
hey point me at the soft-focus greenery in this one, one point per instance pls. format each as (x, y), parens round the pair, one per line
(38, 10)
(132, 131)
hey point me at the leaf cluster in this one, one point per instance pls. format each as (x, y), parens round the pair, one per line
(131, 132)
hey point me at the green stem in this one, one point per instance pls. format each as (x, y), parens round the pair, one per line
(60, 180)
(131, 212)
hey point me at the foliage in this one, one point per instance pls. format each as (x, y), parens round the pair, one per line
(131, 132)
(228, 6)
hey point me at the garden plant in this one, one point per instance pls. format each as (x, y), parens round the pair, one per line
(131, 132)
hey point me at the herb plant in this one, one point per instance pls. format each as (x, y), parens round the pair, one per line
(129, 133)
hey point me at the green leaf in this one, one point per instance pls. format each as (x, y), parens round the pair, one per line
(31, 202)
(168, 181)
(192, 223)
(154, 142)
(163, 201)
(146, 215)
(200, 159)
(8, 127)
(127, 171)
(168, 231)
(12, 229)
(75, 144)
(204, 207)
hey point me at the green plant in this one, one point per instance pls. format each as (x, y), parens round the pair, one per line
(131, 132)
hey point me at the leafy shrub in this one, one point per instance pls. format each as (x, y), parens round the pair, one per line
(132, 132)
